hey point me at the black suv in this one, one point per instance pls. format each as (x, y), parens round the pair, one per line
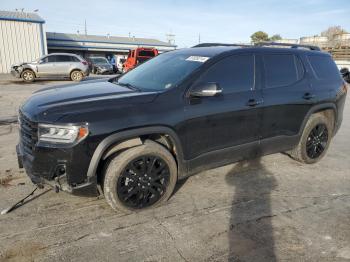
(132, 138)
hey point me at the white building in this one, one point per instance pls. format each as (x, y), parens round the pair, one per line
(288, 41)
(99, 45)
(22, 38)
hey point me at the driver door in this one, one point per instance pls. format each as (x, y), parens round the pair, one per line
(225, 128)
(46, 66)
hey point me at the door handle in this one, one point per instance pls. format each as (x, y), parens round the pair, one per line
(254, 102)
(308, 96)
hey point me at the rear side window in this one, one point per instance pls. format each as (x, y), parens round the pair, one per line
(233, 74)
(64, 58)
(75, 59)
(282, 70)
(324, 67)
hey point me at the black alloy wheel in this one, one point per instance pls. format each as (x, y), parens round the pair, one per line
(317, 141)
(143, 181)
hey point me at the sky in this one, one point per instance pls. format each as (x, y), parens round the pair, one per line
(221, 21)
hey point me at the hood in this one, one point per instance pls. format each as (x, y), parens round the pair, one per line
(87, 96)
(23, 63)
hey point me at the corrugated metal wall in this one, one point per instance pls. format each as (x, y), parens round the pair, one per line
(20, 42)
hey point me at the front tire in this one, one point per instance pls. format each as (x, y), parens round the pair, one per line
(28, 76)
(314, 141)
(140, 177)
(76, 75)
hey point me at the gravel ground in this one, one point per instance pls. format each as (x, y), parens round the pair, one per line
(268, 209)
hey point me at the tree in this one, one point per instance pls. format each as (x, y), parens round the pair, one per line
(332, 31)
(259, 36)
(275, 37)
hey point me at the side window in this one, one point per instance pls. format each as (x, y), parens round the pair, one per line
(75, 59)
(63, 58)
(51, 59)
(233, 74)
(44, 60)
(324, 67)
(282, 70)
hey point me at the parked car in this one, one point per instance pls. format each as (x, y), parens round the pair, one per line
(137, 56)
(119, 63)
(132, 138)
(346, 74)
(52, 65)
(100, 65)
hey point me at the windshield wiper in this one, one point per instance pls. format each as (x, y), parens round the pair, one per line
(130, 86)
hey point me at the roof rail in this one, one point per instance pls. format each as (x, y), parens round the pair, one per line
(219, 44)
(311, 47)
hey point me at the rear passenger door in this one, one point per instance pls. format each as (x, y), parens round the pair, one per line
(63, 64)
(228, 121)
(287, 99)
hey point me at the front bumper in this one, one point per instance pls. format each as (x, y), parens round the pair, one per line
(49, 173)
(104, 70)
(15, 73)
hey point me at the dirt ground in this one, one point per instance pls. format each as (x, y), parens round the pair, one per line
(268, 209)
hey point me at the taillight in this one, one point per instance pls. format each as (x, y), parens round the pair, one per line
(84, 62)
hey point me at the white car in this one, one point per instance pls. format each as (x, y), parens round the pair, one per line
(52, 65)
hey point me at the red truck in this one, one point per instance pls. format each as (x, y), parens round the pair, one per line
(137, 56)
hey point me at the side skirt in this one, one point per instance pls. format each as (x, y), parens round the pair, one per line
(238, 153)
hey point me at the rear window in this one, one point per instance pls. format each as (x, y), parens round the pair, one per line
(146, 53)
(282, 70)
(324, 67)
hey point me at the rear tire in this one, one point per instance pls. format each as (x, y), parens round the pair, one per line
(314, 141)
(139, 178)
(76, 75)
(28, 76)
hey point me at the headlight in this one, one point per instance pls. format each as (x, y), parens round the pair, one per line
(61, 134)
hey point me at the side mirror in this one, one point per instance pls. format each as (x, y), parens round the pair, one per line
(205, 90)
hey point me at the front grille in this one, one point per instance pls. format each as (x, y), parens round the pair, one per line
(28, 133)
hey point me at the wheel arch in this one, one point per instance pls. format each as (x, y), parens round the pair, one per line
(75, 69)
(131, 138)
(330, 107)
(28, 68)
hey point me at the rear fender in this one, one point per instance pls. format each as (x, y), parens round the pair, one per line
(315, 109)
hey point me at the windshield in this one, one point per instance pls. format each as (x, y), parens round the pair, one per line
(99, 60)
(162, 72)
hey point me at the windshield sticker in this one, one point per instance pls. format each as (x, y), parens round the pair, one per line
(200, 59)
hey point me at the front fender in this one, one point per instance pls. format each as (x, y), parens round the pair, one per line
(124, 135)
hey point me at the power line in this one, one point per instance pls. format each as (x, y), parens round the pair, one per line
(170, 38)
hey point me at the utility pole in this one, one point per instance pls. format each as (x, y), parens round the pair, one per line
(199, 38)
(85, 27)
(170, 38)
